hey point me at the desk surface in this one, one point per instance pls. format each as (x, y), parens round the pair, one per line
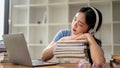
(10, 65)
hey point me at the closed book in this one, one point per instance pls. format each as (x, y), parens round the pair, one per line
(82, 47)
(71, 44)
(71, 55)
(70, 52)
(73, 50)
(73, 41)
(72, 60)
(64, 49)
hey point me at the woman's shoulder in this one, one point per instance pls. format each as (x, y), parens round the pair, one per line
(62, 33)
(65, 32)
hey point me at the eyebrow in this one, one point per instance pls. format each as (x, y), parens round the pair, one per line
(79, 20)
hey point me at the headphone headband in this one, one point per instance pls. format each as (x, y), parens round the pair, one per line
(97, 21)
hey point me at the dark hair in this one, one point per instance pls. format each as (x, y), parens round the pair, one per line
(91, 17)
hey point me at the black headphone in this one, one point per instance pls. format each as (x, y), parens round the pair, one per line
(93, 31)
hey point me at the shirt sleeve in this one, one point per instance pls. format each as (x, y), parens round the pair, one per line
(61, 33)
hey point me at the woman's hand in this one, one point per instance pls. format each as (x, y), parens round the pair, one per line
(86, 36)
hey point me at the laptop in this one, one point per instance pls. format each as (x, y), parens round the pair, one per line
(18, 53)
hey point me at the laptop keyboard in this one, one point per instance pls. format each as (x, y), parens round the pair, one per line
(40, 62)
(37, 62)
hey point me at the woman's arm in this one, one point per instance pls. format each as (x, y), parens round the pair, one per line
(47, 53)
(95, 50)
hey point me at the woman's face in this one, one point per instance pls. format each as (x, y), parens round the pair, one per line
(79, 24)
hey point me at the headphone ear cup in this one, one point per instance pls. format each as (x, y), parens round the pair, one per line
(91, 31)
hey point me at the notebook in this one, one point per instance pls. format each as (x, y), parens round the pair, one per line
(18, 53)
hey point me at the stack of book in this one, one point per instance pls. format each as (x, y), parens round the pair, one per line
(4, 57)
(115, 61)
(72, 51)
(3, 52)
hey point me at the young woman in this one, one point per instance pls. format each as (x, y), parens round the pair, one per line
(86, 22)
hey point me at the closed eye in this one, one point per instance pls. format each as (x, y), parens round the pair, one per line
(80, 23)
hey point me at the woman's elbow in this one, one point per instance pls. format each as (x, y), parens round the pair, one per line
(100, 62)
(45, 56)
